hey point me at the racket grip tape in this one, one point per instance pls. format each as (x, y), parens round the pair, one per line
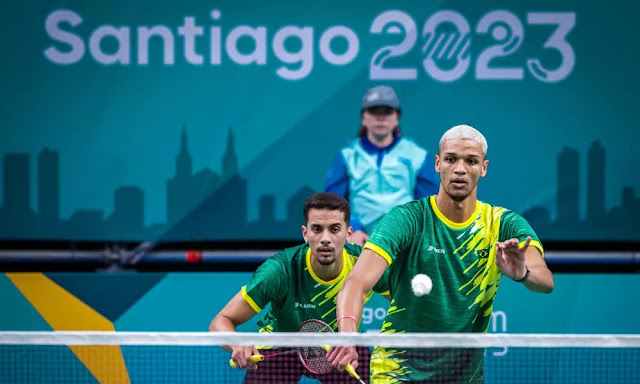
(254, 358)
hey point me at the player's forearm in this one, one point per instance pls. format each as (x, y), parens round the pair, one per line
(540, 279)
(222, 323)
(349, 304)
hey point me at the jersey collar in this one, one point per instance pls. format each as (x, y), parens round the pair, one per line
(449, 223)
(315, 277)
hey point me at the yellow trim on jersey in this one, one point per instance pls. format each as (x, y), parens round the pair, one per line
(249, 300)
(343, 272)
(449, 223)
(536, 244)
(381, 252)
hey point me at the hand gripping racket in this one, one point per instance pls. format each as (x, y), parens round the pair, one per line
(311, 353)
(314, 359)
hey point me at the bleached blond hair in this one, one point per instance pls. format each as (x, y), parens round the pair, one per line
(465, 132)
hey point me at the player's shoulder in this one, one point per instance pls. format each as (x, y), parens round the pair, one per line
(417, 206)
(415, 209)
(291, 254)
(498, 211)
(352, 249)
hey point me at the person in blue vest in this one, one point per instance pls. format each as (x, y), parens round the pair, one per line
(382, 168)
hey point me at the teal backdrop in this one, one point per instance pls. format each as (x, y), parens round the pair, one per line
(186, 302)
(199, 120)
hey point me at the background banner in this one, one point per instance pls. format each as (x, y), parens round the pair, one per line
(187, 302)
(207, 120)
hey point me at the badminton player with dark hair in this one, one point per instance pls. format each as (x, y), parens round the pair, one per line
(465, 245)
(300, 283)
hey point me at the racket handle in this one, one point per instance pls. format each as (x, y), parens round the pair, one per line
(348, 368)
(352, 372)
(254, 358)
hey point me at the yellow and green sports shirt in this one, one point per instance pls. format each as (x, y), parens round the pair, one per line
(417, 238)
(287, 282)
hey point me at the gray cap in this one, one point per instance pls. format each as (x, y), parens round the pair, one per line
(380, 95)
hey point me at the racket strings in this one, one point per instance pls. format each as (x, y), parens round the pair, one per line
(314, 327)
(315, 358)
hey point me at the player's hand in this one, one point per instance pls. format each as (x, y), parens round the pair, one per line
(359, 237)
(341, 356)
(510, 258)
(241, 355)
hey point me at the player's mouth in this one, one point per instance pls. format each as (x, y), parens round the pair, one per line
(459, 183)
(325, 251)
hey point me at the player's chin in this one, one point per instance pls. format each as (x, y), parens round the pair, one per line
(458, 194)
(326, 260)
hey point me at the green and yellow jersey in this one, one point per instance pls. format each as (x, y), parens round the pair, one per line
(287, 281)
(460, 259)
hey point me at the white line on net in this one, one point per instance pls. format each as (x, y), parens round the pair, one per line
(405, 340)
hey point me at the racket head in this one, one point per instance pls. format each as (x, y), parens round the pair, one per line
(315, 359)
(314, 326)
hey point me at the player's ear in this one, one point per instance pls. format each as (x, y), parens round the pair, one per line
(485, 163)
(437, 164)
(349, 233)
(304, 234)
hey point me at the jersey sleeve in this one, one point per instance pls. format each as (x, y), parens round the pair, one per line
(395, 233)
(382, 287)
(268, 284)
(514, 226)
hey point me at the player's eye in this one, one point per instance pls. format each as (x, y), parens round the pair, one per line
(472, 161)
(450, 159)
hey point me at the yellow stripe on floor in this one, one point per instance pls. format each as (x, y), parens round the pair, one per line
(65, 312)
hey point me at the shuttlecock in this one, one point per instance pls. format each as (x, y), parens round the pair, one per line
(421, 284)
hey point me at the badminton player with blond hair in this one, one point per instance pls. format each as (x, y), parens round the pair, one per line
(465, 246)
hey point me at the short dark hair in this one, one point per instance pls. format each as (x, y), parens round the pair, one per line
(327, 200)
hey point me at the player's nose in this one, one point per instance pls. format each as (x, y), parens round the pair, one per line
(325, 239)
(459, 168)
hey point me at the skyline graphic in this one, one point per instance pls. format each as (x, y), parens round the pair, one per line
(201, 206)
(619, 223)
(207, 205)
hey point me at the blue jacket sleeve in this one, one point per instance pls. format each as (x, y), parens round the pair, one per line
(337, 179)
(427, 182)
(338, 182)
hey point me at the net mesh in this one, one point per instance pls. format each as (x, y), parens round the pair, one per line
(59, 357)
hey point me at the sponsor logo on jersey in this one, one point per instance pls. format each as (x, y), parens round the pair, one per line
(435, 249)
